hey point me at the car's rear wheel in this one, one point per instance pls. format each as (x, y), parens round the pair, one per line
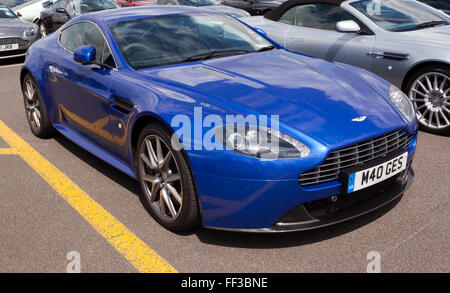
(429, 91)
(166, 181)
(35, 108)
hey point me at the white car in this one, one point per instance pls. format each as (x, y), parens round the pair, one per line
(31, 10)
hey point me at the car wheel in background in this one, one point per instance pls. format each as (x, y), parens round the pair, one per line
(429, 91)
(166, 181)
(35, 108)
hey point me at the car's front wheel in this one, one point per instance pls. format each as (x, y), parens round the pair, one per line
(166, 181)
(429, 91)
(35, 108)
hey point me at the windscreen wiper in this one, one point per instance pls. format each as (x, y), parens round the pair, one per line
(432, 23)
(215, 54)
(267, 48)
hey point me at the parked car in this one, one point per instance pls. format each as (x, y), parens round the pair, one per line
(403, 41)
(64, 10)
(128, 84)
(254, 7)
(16, 35)
(11, 3)
(211, 4)
(443, 5)
(131, 3)
(31, 10)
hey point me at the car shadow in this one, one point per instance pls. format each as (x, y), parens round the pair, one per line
(12, 61)
(227, 238)
(117, 176)
(290, 239)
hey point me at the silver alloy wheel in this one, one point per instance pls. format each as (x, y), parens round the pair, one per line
(32, 104)
(430, 94)
(42, 30)
(160, 175)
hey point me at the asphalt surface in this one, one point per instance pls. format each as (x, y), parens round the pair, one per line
(38, 227)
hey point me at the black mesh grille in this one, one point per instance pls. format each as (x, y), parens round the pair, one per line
(7, 41)
(355, 155)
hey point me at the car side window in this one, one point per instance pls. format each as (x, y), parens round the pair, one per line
(59, 4)
(288, 16)
(321, 16)
(439, 4)
(87, 34)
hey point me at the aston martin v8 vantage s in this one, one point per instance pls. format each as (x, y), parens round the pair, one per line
(16, 35)
(403, 41)
(220, 125)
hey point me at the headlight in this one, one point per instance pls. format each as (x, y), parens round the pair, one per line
(260, 142)
(402, 102)
(30, 32)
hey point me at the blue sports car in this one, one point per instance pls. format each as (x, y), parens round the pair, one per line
(221, 126)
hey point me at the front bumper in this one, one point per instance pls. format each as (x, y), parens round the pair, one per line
(284, 205)
(326, 213)
(24, 44)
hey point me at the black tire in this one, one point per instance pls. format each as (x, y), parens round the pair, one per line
(432, 125)
(43, 129)
(42, 30)
(188, 216)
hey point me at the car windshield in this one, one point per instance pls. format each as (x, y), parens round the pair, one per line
(6, 13)
(400, 15)
(86, 6)
(149, 42)
(12, 3)
(198, 2)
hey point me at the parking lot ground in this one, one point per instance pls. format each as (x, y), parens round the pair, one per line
(38, 227)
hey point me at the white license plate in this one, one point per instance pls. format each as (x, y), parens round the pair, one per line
(9, 47)
(371, 176)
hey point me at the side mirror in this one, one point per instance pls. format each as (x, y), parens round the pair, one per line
(84, 55)
(19, 14)
(61, 10)
(47, 4)
(347, 26)
(260, 31)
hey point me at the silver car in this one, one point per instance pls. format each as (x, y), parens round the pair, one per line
(16, 35)
(403, 41)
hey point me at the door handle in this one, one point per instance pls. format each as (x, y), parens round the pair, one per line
(120, 104)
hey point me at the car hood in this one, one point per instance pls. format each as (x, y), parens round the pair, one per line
(12, 27)
(435, 36)
(316, 97)
(229, 10)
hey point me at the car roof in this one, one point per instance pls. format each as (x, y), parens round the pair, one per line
(277, 12)
(123, 14)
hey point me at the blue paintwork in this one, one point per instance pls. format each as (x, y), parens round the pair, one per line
(84, 54)
(315, 100)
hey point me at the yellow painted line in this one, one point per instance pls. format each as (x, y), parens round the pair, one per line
(120, 237)
(8, 151)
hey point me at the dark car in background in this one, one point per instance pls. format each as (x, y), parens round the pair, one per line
(63, 10)
(254, 7)
(443, 5)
